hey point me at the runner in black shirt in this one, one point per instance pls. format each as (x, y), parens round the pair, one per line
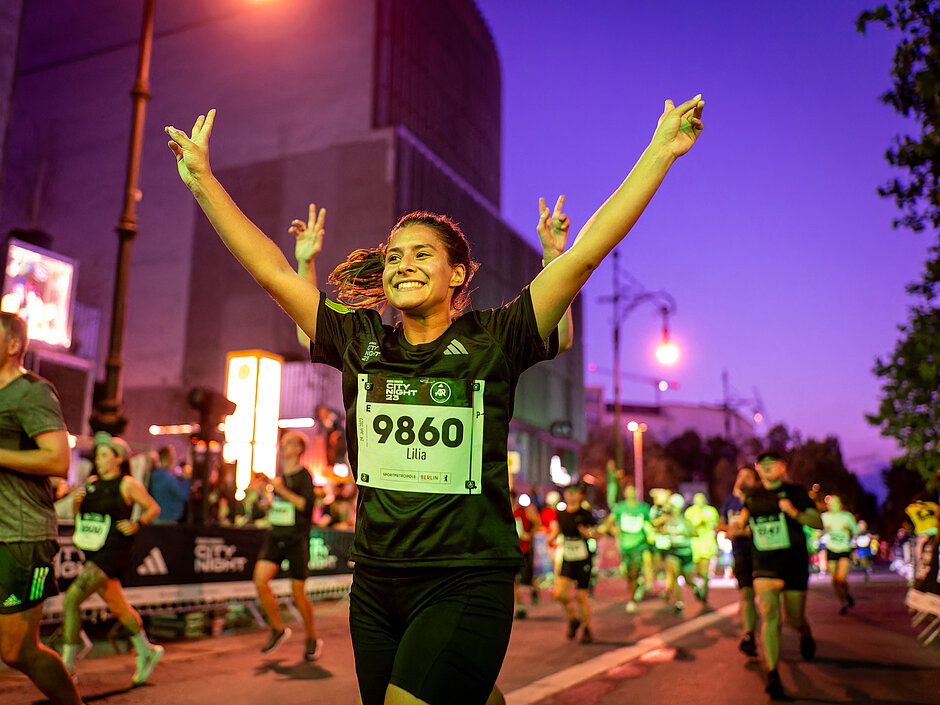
(575, 525)
(776, 512)
(289, 539)
(428, 404)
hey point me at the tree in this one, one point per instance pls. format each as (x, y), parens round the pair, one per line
(910, 404)
(908, 409)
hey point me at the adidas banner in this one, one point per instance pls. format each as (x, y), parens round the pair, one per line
(179, 554)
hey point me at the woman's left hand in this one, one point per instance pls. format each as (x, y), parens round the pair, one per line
(126, 527)
(679, 127)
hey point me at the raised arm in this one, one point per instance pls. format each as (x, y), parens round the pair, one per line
(553, 234)
(308, 243)
(255, 250)
(554, 288)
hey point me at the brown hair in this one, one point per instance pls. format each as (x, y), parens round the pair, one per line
(15, 327)
(359, 278)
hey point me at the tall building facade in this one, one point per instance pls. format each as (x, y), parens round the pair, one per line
(371, 108)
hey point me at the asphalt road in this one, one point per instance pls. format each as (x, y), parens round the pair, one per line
(867, 657)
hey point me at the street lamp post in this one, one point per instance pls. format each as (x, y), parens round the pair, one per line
(637, 429)
(632, 296)
(127, 226)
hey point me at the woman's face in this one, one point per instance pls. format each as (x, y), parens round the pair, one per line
(107, 462)
(418, 278)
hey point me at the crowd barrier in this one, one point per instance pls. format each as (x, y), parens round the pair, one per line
(181, 568)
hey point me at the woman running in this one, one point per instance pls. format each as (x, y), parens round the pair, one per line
(428, 403)
(105, 532)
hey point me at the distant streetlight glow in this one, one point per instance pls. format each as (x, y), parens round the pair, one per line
(667, 354)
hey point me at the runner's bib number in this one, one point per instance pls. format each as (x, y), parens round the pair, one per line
(575, 550)
(420, 435)
(282, 513)
(770, 532)
(91, 531)
(631, 523)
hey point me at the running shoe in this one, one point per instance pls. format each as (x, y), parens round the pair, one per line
(586, 636)
(678, 607)
(748, 646)
(573, 625)
(631, 607)
(146, 663)
(774, 685)
(275, 640)
(807, 645)
(313, 650)
(521, 613)
(535, 596)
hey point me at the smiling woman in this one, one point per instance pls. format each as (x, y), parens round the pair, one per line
(428, 404)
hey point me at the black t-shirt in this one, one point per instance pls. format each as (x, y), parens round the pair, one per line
(296, 522)
(774, 533)
(427, 427)
(575, 546)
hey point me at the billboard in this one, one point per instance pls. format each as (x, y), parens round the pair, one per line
(39, 286)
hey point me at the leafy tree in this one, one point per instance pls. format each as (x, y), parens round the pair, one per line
(908, 410)
(910, 404)
(904, 484)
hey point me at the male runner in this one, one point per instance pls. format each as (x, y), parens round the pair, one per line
(777, 511)
(34, 447)
(290, 517)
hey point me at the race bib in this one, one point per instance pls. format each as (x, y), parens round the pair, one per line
(420, 435)
(91, 531)
(840, 540)
(631, 523)
(770, 532)
(282, 513)
(575, 550)
(663, 542)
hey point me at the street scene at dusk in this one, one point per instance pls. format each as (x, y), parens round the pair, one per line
(469, 351)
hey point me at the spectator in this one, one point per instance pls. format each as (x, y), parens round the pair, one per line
(169, 486)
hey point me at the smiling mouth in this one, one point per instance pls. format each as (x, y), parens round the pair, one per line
(408, 285)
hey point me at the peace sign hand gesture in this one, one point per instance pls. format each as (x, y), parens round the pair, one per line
(679, 127)
(309, 235)
(552, 229)
(192, 153)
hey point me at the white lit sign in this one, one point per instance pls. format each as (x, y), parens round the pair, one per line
(253, 382)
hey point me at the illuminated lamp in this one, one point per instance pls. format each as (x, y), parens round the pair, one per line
(253, 382)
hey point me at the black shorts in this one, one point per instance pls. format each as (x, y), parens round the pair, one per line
(525, 574)
(113, 558)
(834, 556)
(792, 568)
(295, 550)
(579, 571)
(743, 569)
(27, 574)
(437, 633)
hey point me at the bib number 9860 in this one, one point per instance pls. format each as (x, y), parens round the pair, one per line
(450, 433)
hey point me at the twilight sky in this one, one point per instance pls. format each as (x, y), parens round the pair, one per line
(769, 234)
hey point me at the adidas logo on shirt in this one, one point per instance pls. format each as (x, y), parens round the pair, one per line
(455, 347)
(12, 601)
(153, 564)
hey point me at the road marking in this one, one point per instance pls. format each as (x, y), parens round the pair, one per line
(557, 682)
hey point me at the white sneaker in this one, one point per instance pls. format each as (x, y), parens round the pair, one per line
(146, 663)
(631, 607)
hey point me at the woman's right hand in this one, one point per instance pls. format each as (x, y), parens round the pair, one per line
(309, 235)
(192, 152)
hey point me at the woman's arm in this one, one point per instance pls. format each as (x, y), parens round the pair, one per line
(554, 288)
(136, 493)
(256, 252)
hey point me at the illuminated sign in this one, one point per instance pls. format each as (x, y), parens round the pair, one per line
(253, 382)
(38, 285)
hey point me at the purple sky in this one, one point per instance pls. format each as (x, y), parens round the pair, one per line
(769, 234)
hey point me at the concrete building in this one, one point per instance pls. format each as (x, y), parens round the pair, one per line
(372, 108)
(667, 421)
